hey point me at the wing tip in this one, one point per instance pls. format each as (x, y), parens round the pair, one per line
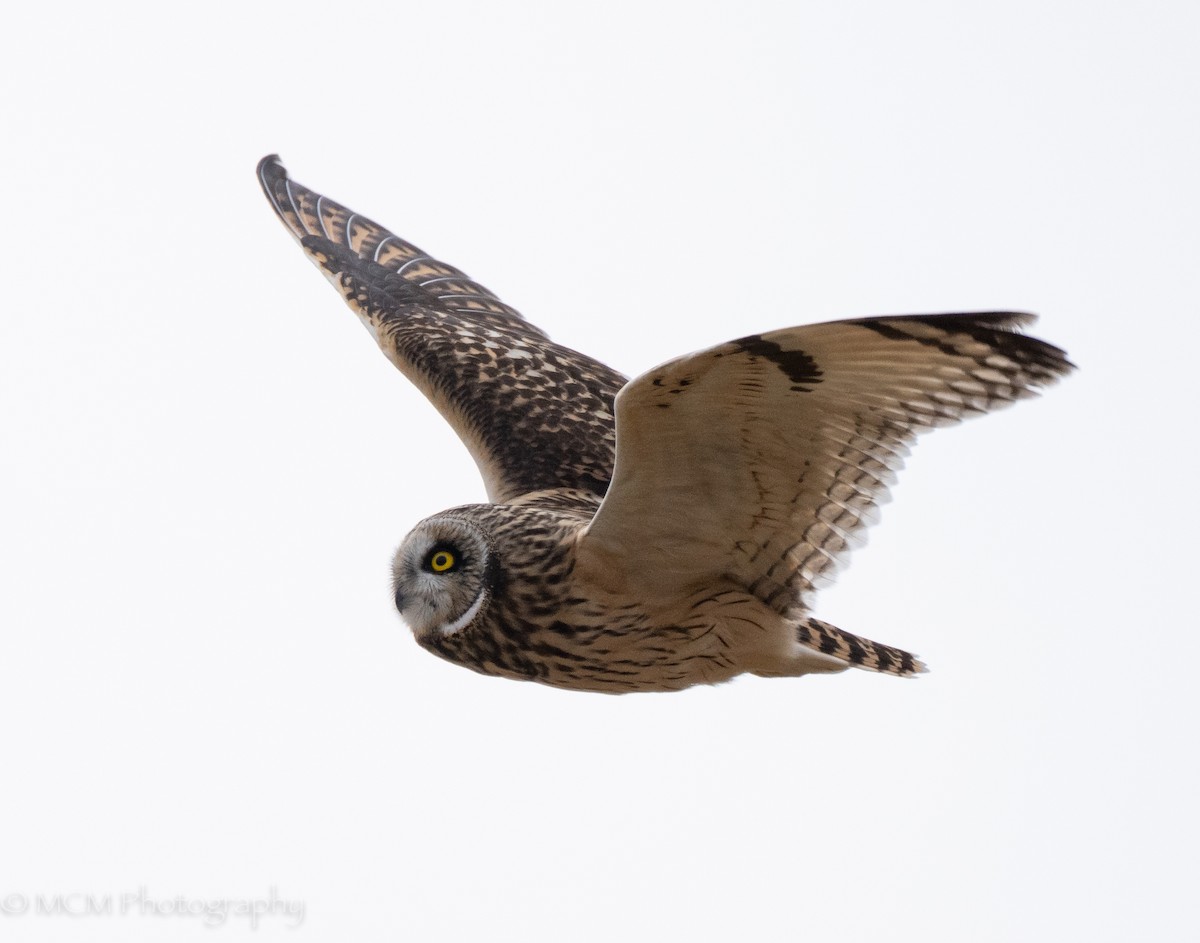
(1002, 329)
(270, 171)
(275, 183)
(1015, 322)
(1051, 357)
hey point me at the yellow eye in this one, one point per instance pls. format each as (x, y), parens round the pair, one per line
(441, 560)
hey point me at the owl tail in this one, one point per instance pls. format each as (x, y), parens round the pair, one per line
(854, 650)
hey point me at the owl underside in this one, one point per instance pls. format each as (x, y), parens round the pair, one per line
(726, 633)
(564, 630)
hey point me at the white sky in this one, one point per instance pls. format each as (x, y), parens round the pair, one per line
(207, 463)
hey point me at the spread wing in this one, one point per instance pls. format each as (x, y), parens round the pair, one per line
(763, 460)
(534, 414)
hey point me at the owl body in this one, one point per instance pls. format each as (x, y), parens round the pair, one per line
(545, 613)
(665, 531)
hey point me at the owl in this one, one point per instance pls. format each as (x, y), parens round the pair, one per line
(666, 531)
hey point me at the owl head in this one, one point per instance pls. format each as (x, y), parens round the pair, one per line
(442, 576)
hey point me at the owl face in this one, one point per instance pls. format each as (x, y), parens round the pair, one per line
(440, 576)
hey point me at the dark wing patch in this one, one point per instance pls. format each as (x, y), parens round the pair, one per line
(534, 414)
(796, 365)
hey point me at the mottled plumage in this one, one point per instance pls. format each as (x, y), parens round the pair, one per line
(667, 531)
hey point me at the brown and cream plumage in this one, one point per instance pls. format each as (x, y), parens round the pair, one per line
(652, 534)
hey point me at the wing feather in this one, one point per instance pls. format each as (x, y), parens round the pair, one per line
(763, 460)
(534, 414)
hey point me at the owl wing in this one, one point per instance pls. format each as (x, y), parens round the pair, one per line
(534, 414)
(763, 460)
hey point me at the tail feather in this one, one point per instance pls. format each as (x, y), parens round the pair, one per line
(857, 651)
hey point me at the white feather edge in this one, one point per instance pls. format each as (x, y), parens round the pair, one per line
(465, 619)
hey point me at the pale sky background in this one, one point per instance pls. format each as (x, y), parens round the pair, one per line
(207, 463)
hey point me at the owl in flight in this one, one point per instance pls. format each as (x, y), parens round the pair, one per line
(670, 530)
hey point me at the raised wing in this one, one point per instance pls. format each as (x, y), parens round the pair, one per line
(534, 414)
(762, 461)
